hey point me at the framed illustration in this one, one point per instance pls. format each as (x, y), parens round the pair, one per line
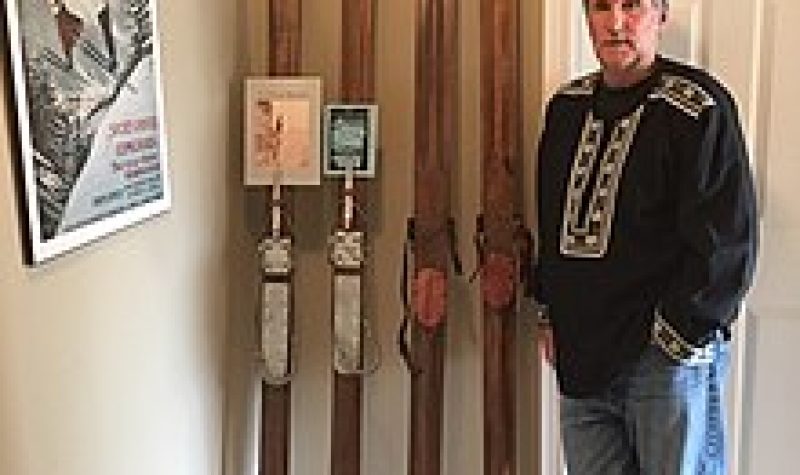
(282, 131)
(89, 119)
(351, 139)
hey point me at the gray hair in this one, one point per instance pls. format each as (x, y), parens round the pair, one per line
(664, 3)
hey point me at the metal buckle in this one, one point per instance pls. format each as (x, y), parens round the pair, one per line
(276, 256)
(347, 250)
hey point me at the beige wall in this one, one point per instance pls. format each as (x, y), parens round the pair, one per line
(112, 359)
(133, 355)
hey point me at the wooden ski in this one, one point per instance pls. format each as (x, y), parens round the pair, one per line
(357, 86)
(284, 60)
(502, 246)
(431, 232)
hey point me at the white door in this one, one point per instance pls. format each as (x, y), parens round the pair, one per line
(771, 410)
(723, 35)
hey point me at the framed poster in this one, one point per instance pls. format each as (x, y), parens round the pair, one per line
(282, 131)
(90, 119)
(351, 139)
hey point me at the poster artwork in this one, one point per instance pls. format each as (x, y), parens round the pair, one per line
(279, 140)
(93, 149)
(282, 131)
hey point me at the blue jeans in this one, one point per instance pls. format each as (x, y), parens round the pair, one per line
(658, 418)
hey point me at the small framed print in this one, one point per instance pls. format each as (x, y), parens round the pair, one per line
(351, 132)
(282, 131)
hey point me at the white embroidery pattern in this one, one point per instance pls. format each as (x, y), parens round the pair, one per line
(580, 87)
(676, 347)
(589, 238)
(683, 94)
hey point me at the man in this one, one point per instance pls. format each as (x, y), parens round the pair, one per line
(647, 246)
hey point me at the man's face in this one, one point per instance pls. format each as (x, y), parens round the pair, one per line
(625, 33)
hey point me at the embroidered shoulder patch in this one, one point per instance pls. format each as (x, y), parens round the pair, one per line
(580, 87)
(684, 94)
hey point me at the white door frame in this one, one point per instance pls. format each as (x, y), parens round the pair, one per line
(729, 43)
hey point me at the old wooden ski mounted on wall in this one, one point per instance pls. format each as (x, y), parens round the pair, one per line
(431, 241)
(276, 248)
(348, 246)
(502, 242)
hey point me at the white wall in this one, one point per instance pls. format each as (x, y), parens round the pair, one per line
(774, 418)
(112, 358)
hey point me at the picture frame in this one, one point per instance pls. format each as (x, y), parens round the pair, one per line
(90, 128)
(351, 135)
(282, 131)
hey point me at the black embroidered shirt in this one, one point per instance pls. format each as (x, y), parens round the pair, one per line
(647, 221)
